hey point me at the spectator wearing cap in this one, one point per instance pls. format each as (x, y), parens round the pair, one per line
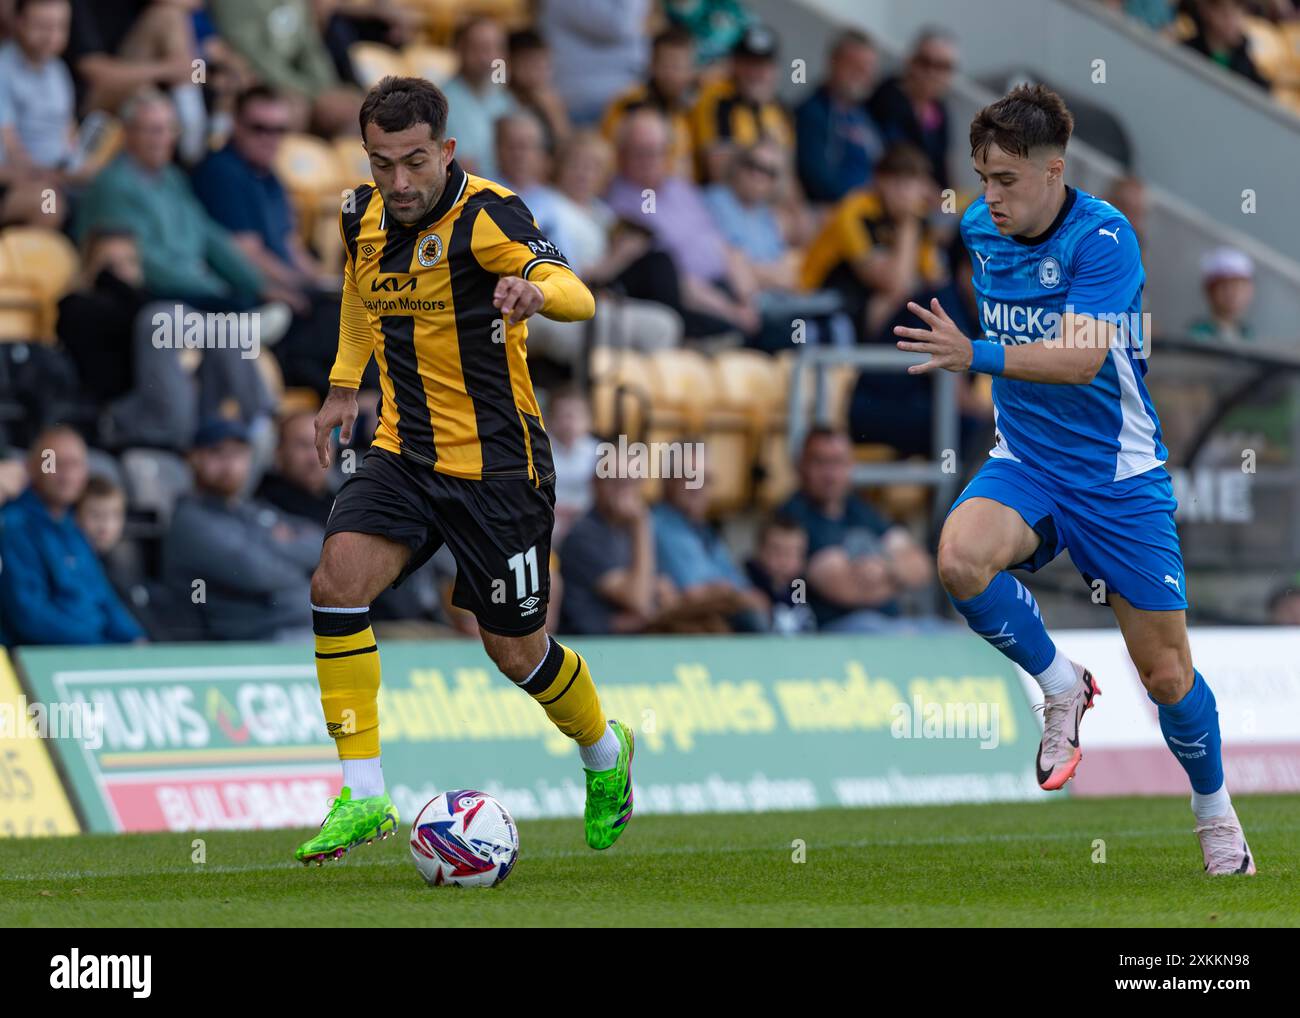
(1228, 278)
(669, 89)
(478, 96)
(741, 108)
(1221, 36)
(837, 142)
(245, 563)
(53, 589)
(599, 50)
(912, 107)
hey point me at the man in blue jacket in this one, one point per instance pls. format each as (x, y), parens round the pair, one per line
(52, 588)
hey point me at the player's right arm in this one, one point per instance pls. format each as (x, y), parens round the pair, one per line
(356, 344)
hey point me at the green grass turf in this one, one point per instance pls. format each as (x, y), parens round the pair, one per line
(988, 865)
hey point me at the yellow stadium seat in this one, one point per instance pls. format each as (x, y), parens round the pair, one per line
(436, 63)
(40, 266)
(352, 160)
(310, 171)
(620, 397)
(1267, 47)
(372, 61)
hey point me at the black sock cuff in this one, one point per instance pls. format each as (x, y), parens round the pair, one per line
(327, 623)
(546, 673)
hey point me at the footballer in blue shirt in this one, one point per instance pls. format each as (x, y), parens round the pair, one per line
(1078, 463)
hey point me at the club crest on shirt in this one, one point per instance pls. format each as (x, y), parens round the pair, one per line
(1049, 272)
(430, 250)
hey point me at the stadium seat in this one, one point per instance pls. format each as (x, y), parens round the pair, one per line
(154, 480)
(436, 63)
(372, 61)
(686, 400)
(20, 307)
(1268, 49)
(45, 263)
(315, 180)
(352, 161)
(620, 396)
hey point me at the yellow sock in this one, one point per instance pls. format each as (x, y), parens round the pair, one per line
(562, 685)
(347, 668)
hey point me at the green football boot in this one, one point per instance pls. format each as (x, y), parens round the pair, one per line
(609, 794)
(350, 822)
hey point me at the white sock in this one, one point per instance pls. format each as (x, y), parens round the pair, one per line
(1059, 676)
(602, 755)
(1215, 804)
(364, 777)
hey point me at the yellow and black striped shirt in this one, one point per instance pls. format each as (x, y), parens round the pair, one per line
(454, 376)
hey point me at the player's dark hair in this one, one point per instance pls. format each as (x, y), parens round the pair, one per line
(673, 35)
(398, 103)
(255, 94)
(903, 159)
(1026, 118)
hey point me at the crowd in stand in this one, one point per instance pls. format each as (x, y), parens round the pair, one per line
(167, 492)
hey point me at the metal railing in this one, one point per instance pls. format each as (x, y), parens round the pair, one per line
(942, 472)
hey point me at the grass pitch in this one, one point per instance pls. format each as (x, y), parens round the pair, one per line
(987, 865)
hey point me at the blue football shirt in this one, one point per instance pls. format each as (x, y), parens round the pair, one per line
(1088, 262)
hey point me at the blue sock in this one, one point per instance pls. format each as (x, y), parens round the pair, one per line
(1191, 730)
(1007, 616)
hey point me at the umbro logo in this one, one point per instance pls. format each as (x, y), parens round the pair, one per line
(1113, 234)
(368, 250)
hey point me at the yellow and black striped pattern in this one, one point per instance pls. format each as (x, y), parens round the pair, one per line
(454, 376)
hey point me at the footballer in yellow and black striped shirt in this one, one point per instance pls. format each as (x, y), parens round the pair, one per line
(442, 270)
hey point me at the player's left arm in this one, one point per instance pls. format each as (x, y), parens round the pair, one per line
(535, 276)
(1106, 275)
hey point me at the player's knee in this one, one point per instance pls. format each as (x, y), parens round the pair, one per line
(330, 588)
(1166, 676)
(515, 657)
(962, 572)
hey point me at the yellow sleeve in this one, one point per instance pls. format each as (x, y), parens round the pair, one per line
(356, 337)
(565, 296)
(507, 242)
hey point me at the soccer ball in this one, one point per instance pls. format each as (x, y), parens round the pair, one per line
(465, 838)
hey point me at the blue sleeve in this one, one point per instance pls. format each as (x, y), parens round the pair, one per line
(1107, 271)
(216, 190)
(32, 614)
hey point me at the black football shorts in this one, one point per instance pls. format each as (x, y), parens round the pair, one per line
(499, 532)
